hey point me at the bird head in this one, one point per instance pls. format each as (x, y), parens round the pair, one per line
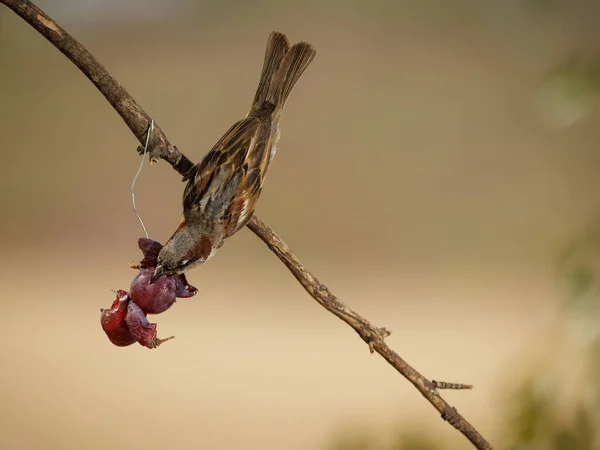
(186, 249)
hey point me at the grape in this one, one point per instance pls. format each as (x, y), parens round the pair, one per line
(153, 298)
(125, 322)
(139, 327)
(150, 249)
(113, 321)
(182, 288)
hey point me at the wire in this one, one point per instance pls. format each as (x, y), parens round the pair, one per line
(150, 129)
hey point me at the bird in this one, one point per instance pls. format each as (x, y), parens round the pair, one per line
(222, 189)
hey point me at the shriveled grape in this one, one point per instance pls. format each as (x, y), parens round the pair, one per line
(139, 327)
(113, 321)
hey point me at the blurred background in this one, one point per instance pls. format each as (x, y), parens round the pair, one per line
(438, 170)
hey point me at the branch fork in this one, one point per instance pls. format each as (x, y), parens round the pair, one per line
(376, 337)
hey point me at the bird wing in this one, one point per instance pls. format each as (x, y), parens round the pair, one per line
(223, 188)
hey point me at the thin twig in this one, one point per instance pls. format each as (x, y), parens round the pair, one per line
(452, 386)
(138, 122)
(371, 334)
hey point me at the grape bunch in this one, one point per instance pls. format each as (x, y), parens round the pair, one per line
(125, 322)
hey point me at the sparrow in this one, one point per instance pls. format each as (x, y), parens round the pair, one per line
(222, 189)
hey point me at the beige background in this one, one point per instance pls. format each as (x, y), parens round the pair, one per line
(414, 177)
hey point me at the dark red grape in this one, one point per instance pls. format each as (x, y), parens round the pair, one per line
(113, 321)
(150, 249)
(153, 298)
(182, 288)
(139, 327)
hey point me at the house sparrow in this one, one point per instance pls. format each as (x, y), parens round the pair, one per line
(223, 188)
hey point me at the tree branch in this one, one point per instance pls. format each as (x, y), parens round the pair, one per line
(160, 148)
(132, 114)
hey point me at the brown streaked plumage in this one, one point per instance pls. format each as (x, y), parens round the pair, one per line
(222, 190)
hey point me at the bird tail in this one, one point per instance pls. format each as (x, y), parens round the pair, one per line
(281, 70)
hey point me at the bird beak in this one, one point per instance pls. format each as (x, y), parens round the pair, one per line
(159, 272)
